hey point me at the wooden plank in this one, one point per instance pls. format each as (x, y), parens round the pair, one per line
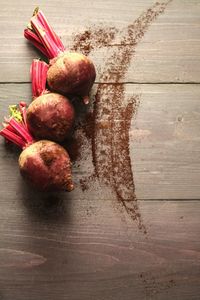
(165, 142)
(164, 145)
(70, 250)
(166, 50)
(84, 245)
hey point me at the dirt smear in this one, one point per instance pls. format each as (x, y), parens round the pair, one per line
(109, 124)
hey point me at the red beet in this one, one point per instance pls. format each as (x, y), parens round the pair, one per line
(45, 164)
(69, 73)
(50, 115)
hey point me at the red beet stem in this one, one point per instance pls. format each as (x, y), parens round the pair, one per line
(8, 127)
(22, 108)
(17, 131)
(32, 37)
(38, 77)
(19, 128)
(41, 29)
(43, 20)
(14, 138)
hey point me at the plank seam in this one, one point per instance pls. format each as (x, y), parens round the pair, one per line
(117, 83)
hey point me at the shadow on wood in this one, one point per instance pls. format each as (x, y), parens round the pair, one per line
(47, 207)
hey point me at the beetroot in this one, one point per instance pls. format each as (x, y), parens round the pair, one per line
(50, 115)
(69, 73)
(45, 164)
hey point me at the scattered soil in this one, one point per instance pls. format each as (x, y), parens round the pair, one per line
(153, 286)
(93, 38)
(107, 126)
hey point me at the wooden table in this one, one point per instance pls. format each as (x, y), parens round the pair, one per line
(86, 244)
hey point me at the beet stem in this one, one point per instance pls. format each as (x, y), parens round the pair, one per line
(50, 30)
(11, 136)
(15, 128)
(22, 108)
(38, 77)
(32, 37)
(21, 130)
(8, 127)
(43, 31)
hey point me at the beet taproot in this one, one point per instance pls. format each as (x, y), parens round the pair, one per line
(69, 73)
(45, 164)
(50, 115)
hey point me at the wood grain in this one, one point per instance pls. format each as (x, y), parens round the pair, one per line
(83, 245)
(169, 51)
(65, 249)
(164, 144)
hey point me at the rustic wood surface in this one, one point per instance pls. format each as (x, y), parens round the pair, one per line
(169, 51)
(83, 245)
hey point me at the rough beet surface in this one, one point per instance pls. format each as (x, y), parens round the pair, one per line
(50, 116)
(47, 166)
(71, 74)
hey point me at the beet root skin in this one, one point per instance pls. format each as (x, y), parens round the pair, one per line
(46, 165)
(50, 116)
(71, 73)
